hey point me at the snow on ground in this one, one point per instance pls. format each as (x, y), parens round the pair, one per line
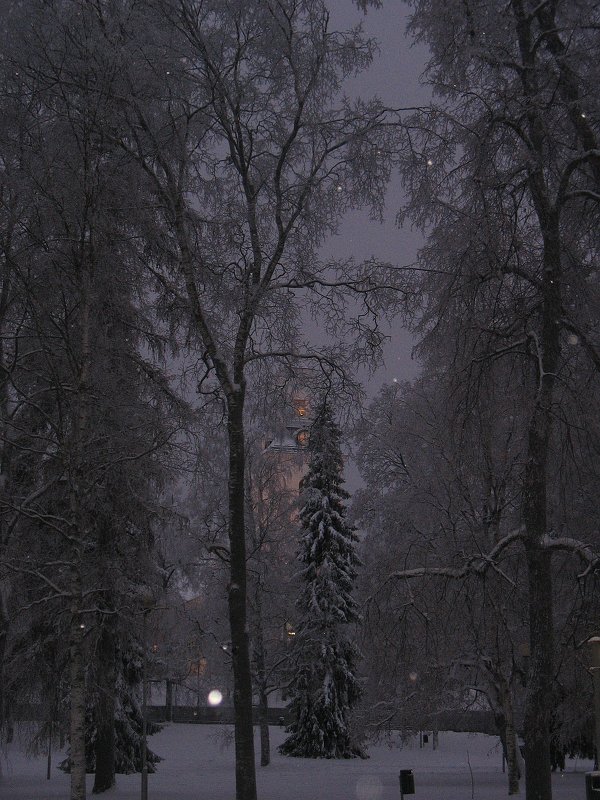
(199, 765)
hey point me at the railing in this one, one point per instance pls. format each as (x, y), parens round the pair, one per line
(207, 715)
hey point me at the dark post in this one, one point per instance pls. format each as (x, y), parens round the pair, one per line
(407, 782)
(169, 701)
(49, 761)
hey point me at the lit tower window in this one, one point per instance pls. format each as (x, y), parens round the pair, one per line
(302, 438)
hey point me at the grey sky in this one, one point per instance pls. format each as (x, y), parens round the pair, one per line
(394, 77)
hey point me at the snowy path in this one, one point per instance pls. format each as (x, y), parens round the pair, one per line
(198, 765)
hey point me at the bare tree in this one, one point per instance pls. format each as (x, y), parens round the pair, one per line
(502, 171)
(441, 491)
(85, 407)
(236, 117)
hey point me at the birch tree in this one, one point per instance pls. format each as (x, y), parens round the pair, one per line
(441, 490)
(502, 174)
(93, 414)
(441, 509)
(272, 505)
(237, 118)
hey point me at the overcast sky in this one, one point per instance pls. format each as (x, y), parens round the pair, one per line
(394, 77)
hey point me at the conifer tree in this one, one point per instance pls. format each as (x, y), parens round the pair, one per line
(325, 687)
(125, 721)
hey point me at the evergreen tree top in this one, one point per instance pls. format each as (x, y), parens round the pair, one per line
(325, 468)
(327, 548)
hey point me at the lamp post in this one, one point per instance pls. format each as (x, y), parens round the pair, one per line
(594, 645)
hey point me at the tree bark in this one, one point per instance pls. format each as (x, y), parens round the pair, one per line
(4, 711)
(245, 772)
(258, 654)
(538, 780)
(510, 739)
(263, 721)
(104, 777)
(77, 718)
(261, 681)
(539, 684)
(5, 453)
(546, 352)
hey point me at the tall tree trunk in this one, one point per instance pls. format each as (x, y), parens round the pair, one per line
(77, 719)
(539, 684)
(510, 738)
(546, 353)
(104, 748)
(261, 685)
(4, 710)
(263, 721)
(245, 771)
(538, 780)
(76, 492)
(5, 453)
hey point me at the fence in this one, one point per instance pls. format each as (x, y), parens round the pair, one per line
(209, 715)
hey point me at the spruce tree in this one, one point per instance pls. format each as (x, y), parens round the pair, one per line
(325, 687)
(126, 719)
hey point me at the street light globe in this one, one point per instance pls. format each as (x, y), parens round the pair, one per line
(214, 697)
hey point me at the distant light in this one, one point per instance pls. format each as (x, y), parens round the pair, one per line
(302, 438)
(583, 116)
(214, 697)
(339, 188)
(82, 626)
(395, 380)
(429, 162)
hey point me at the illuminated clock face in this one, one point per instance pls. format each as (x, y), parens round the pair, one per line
(302, 438)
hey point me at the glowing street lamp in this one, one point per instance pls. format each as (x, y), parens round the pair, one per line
(215, 697)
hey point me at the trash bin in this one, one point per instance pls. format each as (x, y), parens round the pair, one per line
(407, 782)
(592, 786)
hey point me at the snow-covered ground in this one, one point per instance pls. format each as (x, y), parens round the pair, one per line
(198, 765)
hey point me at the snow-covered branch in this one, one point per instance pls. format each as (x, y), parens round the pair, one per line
(586, 552)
